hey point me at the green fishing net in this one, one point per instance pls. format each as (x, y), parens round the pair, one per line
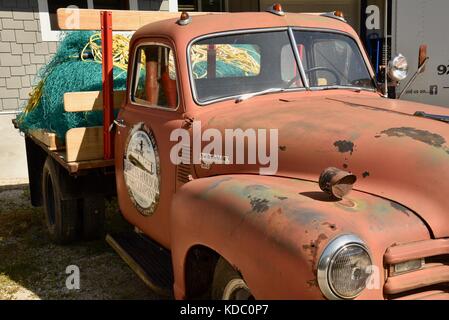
(67, 72)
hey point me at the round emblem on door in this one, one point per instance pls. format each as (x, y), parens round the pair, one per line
(141, 169)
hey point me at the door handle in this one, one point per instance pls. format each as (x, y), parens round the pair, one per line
(119, 123)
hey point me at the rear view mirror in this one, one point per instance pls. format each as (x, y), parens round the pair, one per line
(422, 58)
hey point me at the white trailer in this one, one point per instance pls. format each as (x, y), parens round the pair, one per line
(416, 22)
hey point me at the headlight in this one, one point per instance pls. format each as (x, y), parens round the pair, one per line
(398, 68)
(344, 268)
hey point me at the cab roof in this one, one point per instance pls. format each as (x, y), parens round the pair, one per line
(221, 22)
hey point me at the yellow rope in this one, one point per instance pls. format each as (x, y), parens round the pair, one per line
(33, 101)
(120, 50)
(238, 57)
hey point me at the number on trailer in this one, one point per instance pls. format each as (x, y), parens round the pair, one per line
(443, 70)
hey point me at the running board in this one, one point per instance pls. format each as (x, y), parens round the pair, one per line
(147, 259)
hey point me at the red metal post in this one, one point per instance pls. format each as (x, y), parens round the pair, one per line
(211, 61)
(108, 83)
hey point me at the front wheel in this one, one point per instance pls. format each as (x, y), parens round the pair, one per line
(228, 284)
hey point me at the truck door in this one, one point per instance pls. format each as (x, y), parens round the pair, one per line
(144, 173)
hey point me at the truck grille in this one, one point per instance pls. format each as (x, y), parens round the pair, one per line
(430, 281)
(184, 173)
(184, 170)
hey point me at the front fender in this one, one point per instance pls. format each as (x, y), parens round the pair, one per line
(274, 230)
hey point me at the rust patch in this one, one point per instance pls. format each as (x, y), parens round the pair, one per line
(255, 188)
(283, 148)
(345, 166)
(332, 226)
(429, 138)
(344, 146)
(366, 174)
(217, 184)
(281, 198)
(312, 283)
(372, 108)
(313, 249)
(259, 205)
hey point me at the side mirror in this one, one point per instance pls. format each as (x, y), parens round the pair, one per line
(398, 68)
(422, 58)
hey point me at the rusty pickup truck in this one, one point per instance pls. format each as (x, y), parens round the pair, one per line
(257, 158)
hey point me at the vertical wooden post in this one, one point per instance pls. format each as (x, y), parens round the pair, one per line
(211, 61)
(108, 83)
(152, 70)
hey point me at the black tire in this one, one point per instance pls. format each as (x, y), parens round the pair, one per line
(61, 216)
(228, 284)
(93, 213)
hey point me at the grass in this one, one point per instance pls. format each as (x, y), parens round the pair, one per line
(31, 267)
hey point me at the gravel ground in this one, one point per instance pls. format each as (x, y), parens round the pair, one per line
(31, 267)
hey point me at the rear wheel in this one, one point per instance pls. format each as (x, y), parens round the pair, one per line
(228, 284)
(61, 216)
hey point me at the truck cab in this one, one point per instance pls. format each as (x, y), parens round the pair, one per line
(238, 140)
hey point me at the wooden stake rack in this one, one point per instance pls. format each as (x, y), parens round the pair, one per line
(93, 146)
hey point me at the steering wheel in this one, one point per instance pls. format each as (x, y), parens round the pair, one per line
(316, 69)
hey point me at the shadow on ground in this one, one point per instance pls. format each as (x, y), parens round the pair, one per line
(31, 267)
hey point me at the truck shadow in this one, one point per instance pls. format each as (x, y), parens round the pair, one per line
(320, 196)
(31, 267)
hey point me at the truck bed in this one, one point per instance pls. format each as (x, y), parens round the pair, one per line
(75, 166)
(50, 144)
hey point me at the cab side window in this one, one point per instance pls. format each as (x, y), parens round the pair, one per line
(155, 77)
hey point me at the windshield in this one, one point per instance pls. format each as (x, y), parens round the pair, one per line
(231, 66)
(332, 59)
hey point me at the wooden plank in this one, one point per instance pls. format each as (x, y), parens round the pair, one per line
(90, 101)
(73, 167)
(83, 144)
(49, 139)
(122, 20)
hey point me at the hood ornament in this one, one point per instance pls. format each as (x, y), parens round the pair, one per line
(336, 182)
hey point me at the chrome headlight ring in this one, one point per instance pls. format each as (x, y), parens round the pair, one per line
(332, 253)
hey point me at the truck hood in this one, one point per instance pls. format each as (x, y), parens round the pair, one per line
(394, 154)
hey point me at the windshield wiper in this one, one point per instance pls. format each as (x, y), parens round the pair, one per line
(247, 96)
(337, 87)
(432, 116)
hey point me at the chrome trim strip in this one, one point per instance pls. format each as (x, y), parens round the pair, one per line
(304, 79)
(342, 87)
(332, 249)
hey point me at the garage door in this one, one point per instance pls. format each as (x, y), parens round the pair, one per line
(351, 8)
